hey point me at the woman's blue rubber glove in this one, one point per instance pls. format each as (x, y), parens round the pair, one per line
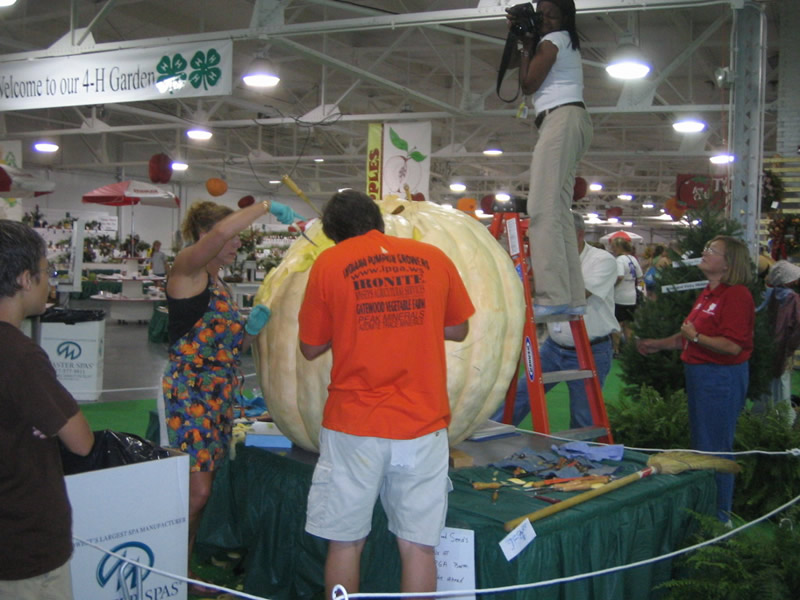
(259, 317)
(284, 214)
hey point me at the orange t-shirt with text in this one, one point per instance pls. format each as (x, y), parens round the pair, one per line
(384, 302)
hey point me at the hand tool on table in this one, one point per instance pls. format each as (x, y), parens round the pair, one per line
(667, 463)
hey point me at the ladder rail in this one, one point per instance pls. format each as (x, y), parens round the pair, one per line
(535, 379)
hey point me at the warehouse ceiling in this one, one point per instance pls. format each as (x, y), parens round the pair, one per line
(346, 64)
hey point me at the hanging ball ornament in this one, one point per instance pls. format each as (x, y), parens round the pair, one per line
(246, 201)
(216, 186)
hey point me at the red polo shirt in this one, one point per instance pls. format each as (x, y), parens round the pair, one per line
(726, 311)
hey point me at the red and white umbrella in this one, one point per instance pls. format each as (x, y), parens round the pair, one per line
(129, 193)
(625, 235)
(16, 183)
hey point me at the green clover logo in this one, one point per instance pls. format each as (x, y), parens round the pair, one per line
(205, 68)
(172, 69)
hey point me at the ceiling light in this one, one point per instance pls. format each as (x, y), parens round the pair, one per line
(492, 150)
(627, 223)
(613, 220)
(199, 133)
(595, 187)
(502, 197)
(592, 215)
(457, 187)
(319, 160)
(627, 62)
(721, 159)
(45, 146)
(275, 181)
(688, 125)
(648, 205)
(179, 166)
(4, 3)
(261, 74)
(626, 197)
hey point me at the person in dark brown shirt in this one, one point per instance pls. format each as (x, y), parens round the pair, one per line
(35, 409)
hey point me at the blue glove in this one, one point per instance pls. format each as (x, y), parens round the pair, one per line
(259, 317)
(285, 214)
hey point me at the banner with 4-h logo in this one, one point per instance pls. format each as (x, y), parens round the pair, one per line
(181, 71)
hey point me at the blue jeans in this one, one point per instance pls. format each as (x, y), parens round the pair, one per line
(557, 358)
(716, 396)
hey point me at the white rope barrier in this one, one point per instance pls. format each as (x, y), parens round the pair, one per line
(538, 584)
(790, 452)
(138, 389)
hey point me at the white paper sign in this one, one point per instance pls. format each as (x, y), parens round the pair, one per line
(455, 561)
(516, 541)
(180, 71)
(108, 223)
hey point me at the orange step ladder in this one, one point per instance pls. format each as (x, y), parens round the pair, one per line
(507, 220)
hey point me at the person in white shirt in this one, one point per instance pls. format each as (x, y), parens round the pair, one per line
(629, 272)
(558, 353)
(552, 72)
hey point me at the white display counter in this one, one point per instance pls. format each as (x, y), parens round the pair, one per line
(127, 309)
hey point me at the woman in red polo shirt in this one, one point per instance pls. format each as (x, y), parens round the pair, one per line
(717, 340)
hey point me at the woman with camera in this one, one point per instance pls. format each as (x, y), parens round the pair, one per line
(551, 70)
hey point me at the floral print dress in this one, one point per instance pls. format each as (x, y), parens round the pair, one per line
(201, 382)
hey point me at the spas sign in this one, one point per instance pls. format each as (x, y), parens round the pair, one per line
(181, 71)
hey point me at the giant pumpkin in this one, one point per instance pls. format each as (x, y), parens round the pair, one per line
(479, 369)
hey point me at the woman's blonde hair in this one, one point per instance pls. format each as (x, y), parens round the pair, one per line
(740, 265)
(202, 216)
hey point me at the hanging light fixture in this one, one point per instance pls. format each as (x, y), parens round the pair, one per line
(261, 73)
(723, 158)
(457, 187)
(627, 61)
(199, 133)
(46, 146)
(689, 125)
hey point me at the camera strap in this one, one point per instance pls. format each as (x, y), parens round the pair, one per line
(510, 48)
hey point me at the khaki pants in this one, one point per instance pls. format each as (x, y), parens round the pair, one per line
(55, 585)
(563, 139)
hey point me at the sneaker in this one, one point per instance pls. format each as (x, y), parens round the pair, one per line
(541, 310)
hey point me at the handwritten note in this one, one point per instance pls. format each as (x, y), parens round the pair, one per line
(455, 561)
(516, 541)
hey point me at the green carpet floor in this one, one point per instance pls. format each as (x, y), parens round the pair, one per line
(129, 416)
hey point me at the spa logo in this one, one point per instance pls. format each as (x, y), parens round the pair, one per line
(69, 350)
(123, 575)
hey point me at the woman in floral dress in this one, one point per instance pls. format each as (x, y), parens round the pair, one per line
(207, 335)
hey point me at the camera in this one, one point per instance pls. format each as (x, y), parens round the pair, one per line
(524, 19)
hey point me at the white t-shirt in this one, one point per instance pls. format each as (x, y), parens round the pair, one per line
(628, 268)
(599, 271)
(564, 82)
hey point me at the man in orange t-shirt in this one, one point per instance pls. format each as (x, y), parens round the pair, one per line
(385, 306)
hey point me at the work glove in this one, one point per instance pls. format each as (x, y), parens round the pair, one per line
(258, 318)
(284, 214)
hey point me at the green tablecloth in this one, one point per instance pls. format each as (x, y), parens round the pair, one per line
(259, 500)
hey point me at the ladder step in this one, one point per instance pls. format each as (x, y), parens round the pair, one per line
(582, 433)
(568, 375)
